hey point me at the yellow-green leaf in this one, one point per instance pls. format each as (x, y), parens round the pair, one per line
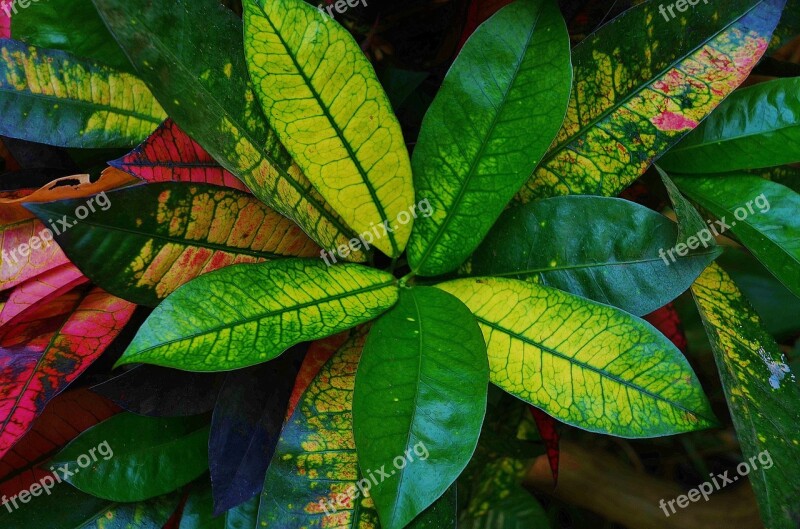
(324, 101)
(52, 97)
(641, 83)
(198, 73)
(244, 315)
(762, 393)
(586, 364)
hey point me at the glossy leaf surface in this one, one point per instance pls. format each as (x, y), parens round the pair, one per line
(278, 304)
(199, 514)
(606, 249)
(312, 479)
(494, 117)
(586, 364)
(43, 353)
(143, 242)
(170, 155)
(198, 72)
(136, 458)
(756, 127)
(52, 97)
(641, 83)
(762, 393)
(325, 103)
(761, 214)
(420, 389)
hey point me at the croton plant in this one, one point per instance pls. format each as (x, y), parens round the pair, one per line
(366, 264)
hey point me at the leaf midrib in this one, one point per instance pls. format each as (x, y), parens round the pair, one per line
(82, 103)
(283, 310)
(588, 367)
(339, 133)
(474, 163)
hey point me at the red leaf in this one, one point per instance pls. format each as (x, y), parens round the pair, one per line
(67, 416)
(41, 289)
(5, 20)
(549, 434)
(170, 155)
(41, 354)
(20, 260)
(667, 321)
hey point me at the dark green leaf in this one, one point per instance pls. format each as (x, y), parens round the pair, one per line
(761, 214)
(68, 25)
(420, 388)
(133, 458)
(606, 249)
(756, 127)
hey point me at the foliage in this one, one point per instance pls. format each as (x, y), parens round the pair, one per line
(314, 306)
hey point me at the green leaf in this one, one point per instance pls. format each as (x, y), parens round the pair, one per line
(199, 512)
(497, 112)
(756, 127)
(788, 28)
(198, 72)
(606, 249)
(71, 26)
(68, 508)
(324, 101)
(420, 388)
(244, 315)
(50, 96)
(762, 394)
(314, 480)
(641, 83)
(788, 176)
(143, 242)
(775, 304)
(133, 458)
(586, 364)
(762, 215)
(512, 508)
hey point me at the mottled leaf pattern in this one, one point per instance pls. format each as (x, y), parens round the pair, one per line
(50, 348)
(583, 363)
(170, 155)
(315, 464)
(160, 236)
(762, 392)
(324, 101)
(641, 83)
(277, 304)
(52, 97)
(198, 72)
(40, 289)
